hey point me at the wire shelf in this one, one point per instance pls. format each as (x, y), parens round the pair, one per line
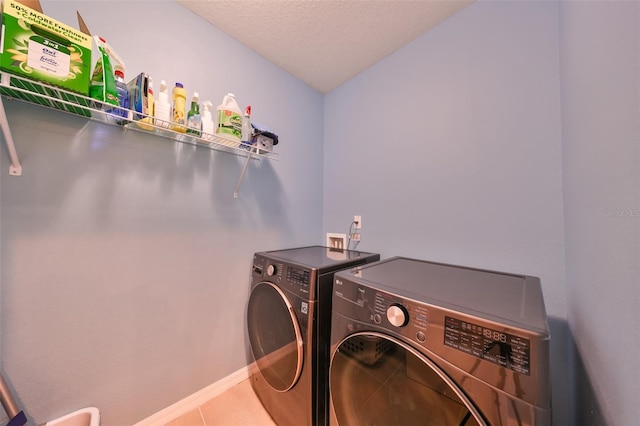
(38, 93)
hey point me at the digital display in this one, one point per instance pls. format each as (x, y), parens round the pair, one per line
(298, 276)
(500, 348)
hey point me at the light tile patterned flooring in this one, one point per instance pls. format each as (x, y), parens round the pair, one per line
(239, 406)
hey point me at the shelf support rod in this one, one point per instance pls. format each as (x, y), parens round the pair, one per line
(15, 169)
(244, 169)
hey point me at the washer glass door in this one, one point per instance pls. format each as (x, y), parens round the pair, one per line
(274, 335)
(378, 380)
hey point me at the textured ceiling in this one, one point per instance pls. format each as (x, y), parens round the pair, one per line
(325, 42)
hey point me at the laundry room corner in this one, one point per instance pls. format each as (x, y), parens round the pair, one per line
(456, 144)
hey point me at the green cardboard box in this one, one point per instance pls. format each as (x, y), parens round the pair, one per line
(38, 47)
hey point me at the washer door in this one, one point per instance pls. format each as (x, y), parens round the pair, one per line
(375, 379)
(274, 335)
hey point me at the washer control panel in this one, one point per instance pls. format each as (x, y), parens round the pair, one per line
(291, 277)
(298, 276)
(504, 349)
(272, 269)
(432, 327)
(397, 315)
(403, 316)
(410, 319)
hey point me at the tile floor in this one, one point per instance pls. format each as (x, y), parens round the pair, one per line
(238, 406)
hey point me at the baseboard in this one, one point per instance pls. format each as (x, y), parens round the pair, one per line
(195, 400)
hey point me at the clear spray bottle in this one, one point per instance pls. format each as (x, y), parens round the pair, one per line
(247, 132)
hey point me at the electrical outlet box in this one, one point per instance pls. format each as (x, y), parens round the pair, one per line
(358, 221)
(337, 241)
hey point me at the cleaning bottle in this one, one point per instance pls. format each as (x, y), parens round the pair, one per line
(103, 82)
(150, 98)
(162, 108)
(178, 111)
(194, 122)
(123, 93)
(247, 133)
(207, 120)
(229, 119)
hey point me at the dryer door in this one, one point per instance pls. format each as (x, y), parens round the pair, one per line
(275, 337)
(378, 380)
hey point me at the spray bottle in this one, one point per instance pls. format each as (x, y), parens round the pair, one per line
(194, 122)
(114, 58)
(162, 108)
(247, 133)
(123, 94)
(207, 120)
(104, 47)
(103, 82)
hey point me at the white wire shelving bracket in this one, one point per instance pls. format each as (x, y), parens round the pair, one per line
(37, 93)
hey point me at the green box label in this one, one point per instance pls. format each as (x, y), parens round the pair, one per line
(229, 125)
(41, 48)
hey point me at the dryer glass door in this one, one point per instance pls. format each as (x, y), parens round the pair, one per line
(376, 379)
(274, 335)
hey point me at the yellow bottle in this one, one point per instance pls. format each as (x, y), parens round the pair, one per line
(150, 100)
(178, 115)
(149, 111)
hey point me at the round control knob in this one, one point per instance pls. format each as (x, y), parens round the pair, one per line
(271, 270)
(397, 315)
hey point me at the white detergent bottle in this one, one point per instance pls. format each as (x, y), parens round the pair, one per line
(229, 119)
(162, 107)
(207, 121)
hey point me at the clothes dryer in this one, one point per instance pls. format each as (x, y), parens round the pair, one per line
(288, 321)
(423, 343)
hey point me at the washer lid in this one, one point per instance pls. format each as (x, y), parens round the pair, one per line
(509, 298)
(325, 259)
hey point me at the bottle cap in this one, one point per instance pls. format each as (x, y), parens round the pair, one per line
(179, 84)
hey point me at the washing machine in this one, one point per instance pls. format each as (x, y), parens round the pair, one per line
(288, 322)
(423, 343)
